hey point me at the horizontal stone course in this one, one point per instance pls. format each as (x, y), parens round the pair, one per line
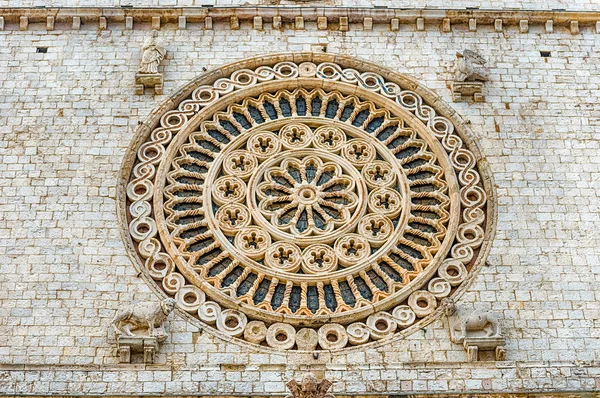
(343, 18)
(577, 5)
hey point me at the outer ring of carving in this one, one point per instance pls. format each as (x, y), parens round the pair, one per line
(151, 256)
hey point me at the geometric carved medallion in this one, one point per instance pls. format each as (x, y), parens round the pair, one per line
(300, 204)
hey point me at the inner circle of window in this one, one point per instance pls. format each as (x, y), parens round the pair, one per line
(352, 132)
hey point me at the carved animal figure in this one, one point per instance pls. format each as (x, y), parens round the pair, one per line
(470, 67)
(149, 315)
(309, 387)
(484, 321)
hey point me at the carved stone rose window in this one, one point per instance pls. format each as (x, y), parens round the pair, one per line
(305, 202)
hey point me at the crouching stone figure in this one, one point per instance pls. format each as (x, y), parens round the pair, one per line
(147, 320)
(476, 330)
(470, 73)
(470, 67)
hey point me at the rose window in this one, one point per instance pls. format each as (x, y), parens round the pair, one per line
(295, 214)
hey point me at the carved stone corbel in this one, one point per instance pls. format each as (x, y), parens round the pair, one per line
(476, 330)
(309, 387)
(154, 81)
(140, 328)
(138, 344)
(470, 73)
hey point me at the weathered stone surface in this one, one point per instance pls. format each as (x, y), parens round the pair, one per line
(68, 116)
(321, 207)
(577, 5)
(152, 55)
(146, 318)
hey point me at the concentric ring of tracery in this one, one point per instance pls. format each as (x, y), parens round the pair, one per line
(377, 171)
(202, 228)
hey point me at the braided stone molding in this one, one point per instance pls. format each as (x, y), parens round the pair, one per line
(305, 202)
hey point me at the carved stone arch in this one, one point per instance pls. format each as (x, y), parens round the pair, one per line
(306, 201)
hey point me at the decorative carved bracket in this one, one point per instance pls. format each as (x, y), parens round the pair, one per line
(462, 90)
(137, 344)
(154, 81)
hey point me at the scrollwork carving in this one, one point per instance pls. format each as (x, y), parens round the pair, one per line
(255, 332)
(404, 316)
(332, 336)
(281, 336)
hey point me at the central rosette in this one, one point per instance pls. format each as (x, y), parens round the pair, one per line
(306, 196)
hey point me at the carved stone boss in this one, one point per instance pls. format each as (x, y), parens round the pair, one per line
(148, 320)
(469, 75)
(148, 75)
(476, 330)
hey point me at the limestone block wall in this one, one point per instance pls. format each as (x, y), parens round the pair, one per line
(67, 117)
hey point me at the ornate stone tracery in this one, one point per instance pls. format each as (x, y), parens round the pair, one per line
(270, 203)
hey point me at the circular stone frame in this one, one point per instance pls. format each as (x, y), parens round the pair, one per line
(140, 235)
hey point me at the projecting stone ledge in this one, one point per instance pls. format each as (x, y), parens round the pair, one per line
(462, 90)
(154, 81)
(138, 344)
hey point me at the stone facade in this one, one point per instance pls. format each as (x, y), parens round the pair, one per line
(69, 112)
